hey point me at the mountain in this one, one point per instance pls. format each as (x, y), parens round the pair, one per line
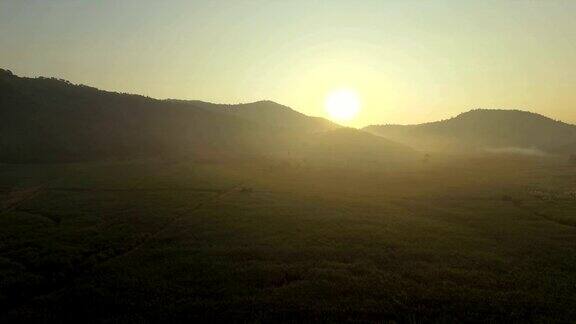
(486, 130)
(52, 120)
(272, 114)
(45, 119)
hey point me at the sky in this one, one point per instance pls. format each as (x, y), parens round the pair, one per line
(409, 61)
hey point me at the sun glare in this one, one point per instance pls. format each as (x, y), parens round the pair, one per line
(342, 105)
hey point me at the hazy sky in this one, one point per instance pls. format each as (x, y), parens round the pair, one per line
(410, 61)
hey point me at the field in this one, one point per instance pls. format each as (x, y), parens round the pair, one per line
(453, 239)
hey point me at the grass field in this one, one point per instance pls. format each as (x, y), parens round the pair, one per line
(459, 239)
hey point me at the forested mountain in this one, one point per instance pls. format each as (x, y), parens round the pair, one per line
(45, 119)
(271, 114)
(52, 120)
(481, 130)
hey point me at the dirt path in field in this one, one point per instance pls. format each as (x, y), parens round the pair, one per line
(78, 189)
(85, 269)
(542, 215)
(16, 198)
(173, 220)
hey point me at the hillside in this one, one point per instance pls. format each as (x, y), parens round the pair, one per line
(482, 130)
(51, 120)
(272, 114)
(48, 119)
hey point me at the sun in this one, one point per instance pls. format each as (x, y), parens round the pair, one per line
(342, 104)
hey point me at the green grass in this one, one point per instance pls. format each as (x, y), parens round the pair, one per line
(452, 240)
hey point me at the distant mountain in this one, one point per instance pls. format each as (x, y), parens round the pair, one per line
(51, 120)
(486, 130)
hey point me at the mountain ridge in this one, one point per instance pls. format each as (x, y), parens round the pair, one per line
(485, 129)
(474, 111)
(52, 120)
(270, 113)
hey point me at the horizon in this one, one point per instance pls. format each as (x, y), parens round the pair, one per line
(406, 62)
(466, 110)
